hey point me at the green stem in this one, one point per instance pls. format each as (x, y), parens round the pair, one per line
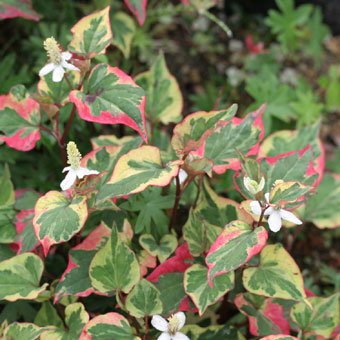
(218, 22)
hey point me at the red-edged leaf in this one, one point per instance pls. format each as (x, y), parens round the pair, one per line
(108, 326)
(57, 218)
(284, 141)
(222, 147)
(235, 246)
(19, 120)
(138, 9)
(110, 96)
(17, 8)
(169, 277)
(176, 264)
(26, 239)
(265, 316)
(75, 279)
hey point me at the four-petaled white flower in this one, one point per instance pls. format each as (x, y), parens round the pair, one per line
(276, 214)
(58, 61)
(170, 329)
(74, 170)
(252, 186)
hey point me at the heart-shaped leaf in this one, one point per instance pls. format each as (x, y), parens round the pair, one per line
(92, 34)
(20, 276)
(19, 119)
(22, 331)
(238, 243)
(57, 219)
(144, 299)
(277, 275)
(163, 249)
(197, 287)
(117, 259)
(110, 96)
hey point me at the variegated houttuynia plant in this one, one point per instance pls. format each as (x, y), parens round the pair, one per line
(169, 217)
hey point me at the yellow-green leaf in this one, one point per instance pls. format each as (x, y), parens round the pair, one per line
(137, 170)
(123, 30)
(20, 276)
(276, 276)
(92, 34)
(164, 98)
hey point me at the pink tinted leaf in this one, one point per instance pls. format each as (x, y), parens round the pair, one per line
(17, 8)
(138, 9)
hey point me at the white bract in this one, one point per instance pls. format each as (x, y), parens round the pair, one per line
(252, 186)
(182, 176)
(170, 329)
(58, 61)
(276, 214)
(74, 170)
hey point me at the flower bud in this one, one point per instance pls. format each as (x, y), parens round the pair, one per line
(252, 186)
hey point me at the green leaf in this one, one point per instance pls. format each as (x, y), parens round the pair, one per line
(277, 275)
(216, 332)
(57, 219)
(25, 236)
(162, 249)
(7, 195)
(75, 281)
(92, 34)
(323, 208)
(48, 315)
(75, 319)
(172, 291)
(138, 8)
(199, 234)
(7, 228)
(266, 87)
(22, 331)
(238, 243)
(123, 29)
(108, 326)
(321, 320)
(137, 170)
(114, 267)
(20, 276)
(197, 287)
(164, 99)
(190, 134)
(150, 205)
(19, 119)
(287, 192)
(110, 96)
(144, 299)
(287, 23)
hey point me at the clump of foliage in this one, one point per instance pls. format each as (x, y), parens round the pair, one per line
(170, 218)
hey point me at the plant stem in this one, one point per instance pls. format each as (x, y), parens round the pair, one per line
(146, 322)
(262, 215)
(176, 203)
(218, 22)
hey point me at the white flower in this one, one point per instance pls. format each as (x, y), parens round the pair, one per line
(58, 61)
(74, 170)
(252, 186)
(235, 75)
(170, 329)
(276, 215)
